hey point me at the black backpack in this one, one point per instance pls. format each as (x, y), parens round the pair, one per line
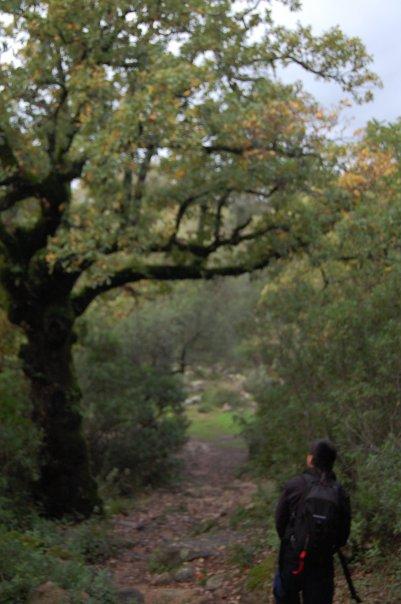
(316, 522)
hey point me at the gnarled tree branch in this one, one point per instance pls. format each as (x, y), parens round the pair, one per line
(165, 272)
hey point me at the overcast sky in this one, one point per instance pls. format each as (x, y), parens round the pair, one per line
(378, 24)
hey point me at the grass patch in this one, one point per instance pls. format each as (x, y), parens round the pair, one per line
(241, 555)
(260, 577)
(212, 425)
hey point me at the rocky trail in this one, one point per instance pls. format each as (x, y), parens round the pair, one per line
(182, 540)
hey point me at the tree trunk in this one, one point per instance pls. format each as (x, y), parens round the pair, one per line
(65, 485)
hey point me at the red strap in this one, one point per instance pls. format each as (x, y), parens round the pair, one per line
(301, 566)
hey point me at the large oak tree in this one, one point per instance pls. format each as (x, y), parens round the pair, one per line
(144, 140)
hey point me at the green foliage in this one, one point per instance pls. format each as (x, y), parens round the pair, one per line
(175, 125)
(19, 442)
(379, 495)
(241, 555)
(41, 554)
(143, 143)
(134, 418)
(181, 326)
(329, 341)
(92, 541)
(260, 577)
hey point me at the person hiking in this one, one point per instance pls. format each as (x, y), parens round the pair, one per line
(313, 520)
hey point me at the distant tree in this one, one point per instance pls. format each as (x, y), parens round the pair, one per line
(144, 141)
(181, 325)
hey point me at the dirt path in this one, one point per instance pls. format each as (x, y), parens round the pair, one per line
(185, 536)
(182, 541)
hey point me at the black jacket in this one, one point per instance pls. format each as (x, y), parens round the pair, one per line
(291, 496)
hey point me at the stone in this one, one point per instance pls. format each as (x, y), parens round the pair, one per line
(194, 554)
(197, 385)
(49, 593)
(186, 573)
(162, 579)
(167, 556)
(130, 595)
(214, 582)
(193, 400)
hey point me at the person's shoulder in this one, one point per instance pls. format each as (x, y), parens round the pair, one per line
(295, 483)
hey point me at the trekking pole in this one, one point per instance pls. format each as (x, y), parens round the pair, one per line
(347, 576)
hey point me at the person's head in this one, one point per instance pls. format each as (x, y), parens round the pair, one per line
(322, 455)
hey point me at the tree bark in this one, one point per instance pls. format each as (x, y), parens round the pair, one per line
(65, 485)
(40, 304)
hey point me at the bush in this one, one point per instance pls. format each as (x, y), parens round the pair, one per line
(19, 442)
(378, 494)
(92, 541)
(134, 418)
(39, 555)
(329, 344)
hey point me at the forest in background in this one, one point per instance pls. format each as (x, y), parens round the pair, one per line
(169, 210)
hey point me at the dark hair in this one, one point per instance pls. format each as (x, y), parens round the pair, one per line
(324, 455)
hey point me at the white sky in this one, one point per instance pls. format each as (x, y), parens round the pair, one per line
(378, 24)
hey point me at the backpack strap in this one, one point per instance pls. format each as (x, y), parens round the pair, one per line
(309, 481)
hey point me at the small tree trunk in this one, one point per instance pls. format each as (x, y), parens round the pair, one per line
(65, 485)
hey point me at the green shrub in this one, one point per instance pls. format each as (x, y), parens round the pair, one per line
(19, 442)
(378, 496)
(92, 541)
(34, 557)
(331, 367)
(134, 417)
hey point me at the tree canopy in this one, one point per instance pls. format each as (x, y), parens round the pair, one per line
(148, 140)
(168, 120)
